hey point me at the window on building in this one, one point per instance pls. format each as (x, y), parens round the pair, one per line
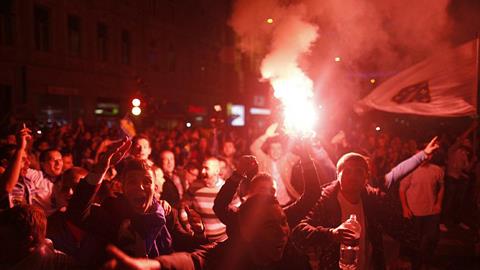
(125, 47)
(74, 36)
(102, 37)
(42, 28)
(7, 23)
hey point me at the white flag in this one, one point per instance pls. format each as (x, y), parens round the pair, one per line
(443, 85)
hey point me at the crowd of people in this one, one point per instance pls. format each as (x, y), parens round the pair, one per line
(75, 196)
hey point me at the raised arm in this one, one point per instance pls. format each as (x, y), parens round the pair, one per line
(328, 167)
(82, 199)
(256, 147)
(407, 166)
(225, 197)
(247, 168)
(9, 178)
(311, 192)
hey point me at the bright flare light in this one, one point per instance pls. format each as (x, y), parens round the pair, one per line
(378, 129)
(372, 81)
(337, 59)
(269, 20)
(136, 102)
(136, 111)
(295, 91)
(292, 38)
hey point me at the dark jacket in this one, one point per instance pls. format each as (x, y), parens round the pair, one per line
(381, 212)
(170, 192)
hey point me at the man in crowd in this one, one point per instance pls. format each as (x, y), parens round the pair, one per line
(228, 155)
(190, 175)
(51, 163)
(134, 220)
(67, 158)
(277, 163)
(172, 190)
(351, 194)
(201, 195)
(20, 184)
(262, 183)
(141, 149)
(421, 195)
(457, 181)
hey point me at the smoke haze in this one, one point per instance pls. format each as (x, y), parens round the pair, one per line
(373, 38)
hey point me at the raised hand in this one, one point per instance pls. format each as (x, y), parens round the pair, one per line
(272, 130)
(247, 166)
(338, 138)
(23, 136)
(115, 152)
(432, 146)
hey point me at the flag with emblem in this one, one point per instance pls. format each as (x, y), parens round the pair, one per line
(443, 85)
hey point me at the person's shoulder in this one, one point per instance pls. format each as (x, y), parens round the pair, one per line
(329, 190)
(37, 177)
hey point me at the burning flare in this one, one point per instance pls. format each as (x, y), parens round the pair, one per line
(292, 38)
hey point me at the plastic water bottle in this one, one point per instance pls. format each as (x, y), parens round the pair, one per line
(350, 251)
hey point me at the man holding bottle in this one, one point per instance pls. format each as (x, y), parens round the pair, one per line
(351, 195)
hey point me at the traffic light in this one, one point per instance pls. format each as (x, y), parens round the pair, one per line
(136, 110)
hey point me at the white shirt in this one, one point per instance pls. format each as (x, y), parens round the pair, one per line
(281, 192)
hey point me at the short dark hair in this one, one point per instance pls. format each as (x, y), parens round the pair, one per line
(353, 157)
(276, 139)
(255, 209)
(26, 221)
(139, 137)
(66, 153)
(135, 165)
(44, 154)
(68, 176)
(262, 177)
(225, 141)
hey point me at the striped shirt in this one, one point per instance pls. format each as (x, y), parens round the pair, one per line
(35, 189)
(201, 199)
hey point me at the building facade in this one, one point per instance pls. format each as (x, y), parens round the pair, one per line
(60, 59)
